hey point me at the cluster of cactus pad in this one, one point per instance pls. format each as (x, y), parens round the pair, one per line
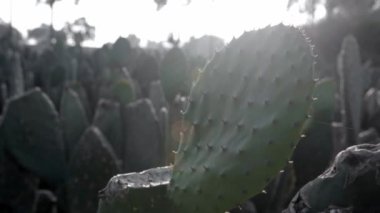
(72, 120)
(73, 145)
(246, 112)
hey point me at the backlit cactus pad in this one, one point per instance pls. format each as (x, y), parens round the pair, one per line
(247, 111)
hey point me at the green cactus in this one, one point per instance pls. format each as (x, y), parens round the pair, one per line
(350, 72)
(73, 118)
(92, 164)
(121, 53)
(157, 96)
(144, 192)
(17, 186)
(174, 74)
(16, 81)
(30, 131)
(123, 92)
(119, 87)
(247, 111)
(4, 95)
(146, 71)
(318, 140)
(45, 202)
(350, 181)
(144, 146)
(83, 96)
(108, 119)
(163, 120)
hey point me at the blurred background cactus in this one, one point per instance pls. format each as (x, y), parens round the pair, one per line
(196, 126)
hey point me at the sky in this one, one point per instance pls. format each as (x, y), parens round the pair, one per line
(114, 18)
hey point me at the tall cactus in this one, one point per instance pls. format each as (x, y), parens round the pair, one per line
(73, 118)
(350, 72)
(83, 96)
(109, 121)
(174, 74)
(157, 96)
(146, 71)
(17, 76)
(247, 111)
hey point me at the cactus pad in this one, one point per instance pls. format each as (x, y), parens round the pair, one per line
(73, 117)
(144, 192)
(144, 146)
(92, 164)
(30, 131)
(174, 75)
(350, 72)
(123, 92)
(109, 121)
(247, 111)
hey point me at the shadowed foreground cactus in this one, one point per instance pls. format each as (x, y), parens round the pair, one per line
(351, 181)
(144, 192)
(247, 111)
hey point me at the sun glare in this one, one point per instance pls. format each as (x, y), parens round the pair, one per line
(114, 18)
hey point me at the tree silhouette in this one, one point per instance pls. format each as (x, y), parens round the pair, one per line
(51, 5)
(80, 31)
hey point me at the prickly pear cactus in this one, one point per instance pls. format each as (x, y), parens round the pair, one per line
(119, 86)
(93, 163)
(84, 98)
(120, 54)
(351, 82)
(144, 192)
(318, 140)
(157, 95)
(17, 77)
(73, 118)
(174, 76)
(247, 111)
(350, 181)
(3, 95)
(123, 91)
(30, 131)
(18, 187)
(163, 119)
(144, 146)
(108, 119)
(146, 71)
